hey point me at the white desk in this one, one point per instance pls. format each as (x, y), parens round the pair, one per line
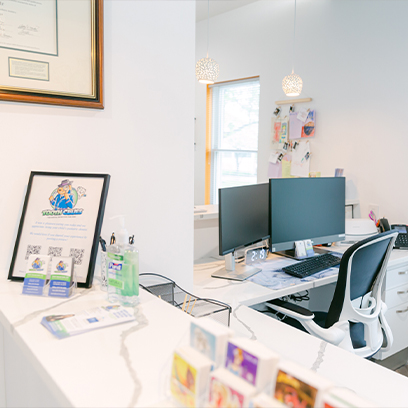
(248, 293)
(129, 364)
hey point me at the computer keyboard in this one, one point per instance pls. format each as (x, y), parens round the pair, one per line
(313, 265)
(401, 241)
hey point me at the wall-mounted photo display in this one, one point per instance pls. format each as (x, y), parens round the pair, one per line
(62, 216)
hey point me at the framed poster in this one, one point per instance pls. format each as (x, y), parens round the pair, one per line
(51, 51)
(62, 216)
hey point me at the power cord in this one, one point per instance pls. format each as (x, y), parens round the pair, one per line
(298, 297)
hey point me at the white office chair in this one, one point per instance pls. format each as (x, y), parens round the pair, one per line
(356, 317)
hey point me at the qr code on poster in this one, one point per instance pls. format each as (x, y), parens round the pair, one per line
(55, 251)
(32, 249)
(78, 254)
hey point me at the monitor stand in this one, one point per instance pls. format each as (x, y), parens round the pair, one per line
(290, 253)
(233, 271)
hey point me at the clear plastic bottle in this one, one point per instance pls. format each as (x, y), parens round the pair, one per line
(123, 270)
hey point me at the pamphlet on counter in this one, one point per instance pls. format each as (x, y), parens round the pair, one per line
(66, 325)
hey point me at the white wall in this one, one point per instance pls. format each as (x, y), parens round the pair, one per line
(143, 138)
(352, 58)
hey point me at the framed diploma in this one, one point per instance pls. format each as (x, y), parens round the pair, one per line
(62, 216)
(51, 51)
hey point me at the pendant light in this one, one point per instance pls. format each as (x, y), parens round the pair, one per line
(292, 84)
(207, 70)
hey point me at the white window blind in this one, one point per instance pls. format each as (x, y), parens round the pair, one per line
(234, 134)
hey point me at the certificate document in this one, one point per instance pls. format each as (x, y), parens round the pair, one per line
(29, 25)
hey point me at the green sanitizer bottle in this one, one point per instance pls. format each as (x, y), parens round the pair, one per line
(123, 269)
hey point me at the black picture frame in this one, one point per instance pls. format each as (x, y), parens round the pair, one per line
(96, 228)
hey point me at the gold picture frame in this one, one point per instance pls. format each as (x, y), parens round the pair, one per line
(52, 53)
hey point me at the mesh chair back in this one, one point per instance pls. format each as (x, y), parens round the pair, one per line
(366, 264)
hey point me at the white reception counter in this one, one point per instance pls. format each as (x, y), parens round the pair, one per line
(129, 365)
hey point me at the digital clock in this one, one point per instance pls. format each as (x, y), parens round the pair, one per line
(256, 255)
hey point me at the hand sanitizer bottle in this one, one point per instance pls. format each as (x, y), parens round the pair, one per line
(123, 269)
(130, 275)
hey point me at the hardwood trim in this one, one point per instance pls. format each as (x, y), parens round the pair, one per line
(291, 101)
(208, 120)
(236, 80)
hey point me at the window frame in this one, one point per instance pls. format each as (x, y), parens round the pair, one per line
(209, 151)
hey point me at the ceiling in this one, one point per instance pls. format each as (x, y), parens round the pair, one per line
(217, 7)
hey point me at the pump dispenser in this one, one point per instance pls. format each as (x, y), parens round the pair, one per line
(123, 268)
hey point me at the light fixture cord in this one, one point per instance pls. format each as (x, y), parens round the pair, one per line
(294, 39)
(208, 27)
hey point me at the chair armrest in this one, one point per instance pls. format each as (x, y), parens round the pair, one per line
(333, 335)
(295, 311)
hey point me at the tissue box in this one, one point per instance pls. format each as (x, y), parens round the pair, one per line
(210, 338)
(228, 390)
(189, 376)
(252, 361)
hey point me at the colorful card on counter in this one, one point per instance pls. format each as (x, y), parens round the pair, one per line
(228, 390)
(293, 392)
(241, 363)
(252, 361)
(189, 376)
(299, 387)
(61, 276)
(36, 275)
(183, 381)
(210, 339)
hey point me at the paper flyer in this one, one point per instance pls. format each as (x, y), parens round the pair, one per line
(71, 324)
(299, 129)
(279, 130)
(301, 160)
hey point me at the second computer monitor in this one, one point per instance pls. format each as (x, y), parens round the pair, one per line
(243, 216)
(306, 208)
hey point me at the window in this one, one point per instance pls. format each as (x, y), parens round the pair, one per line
(232, 135)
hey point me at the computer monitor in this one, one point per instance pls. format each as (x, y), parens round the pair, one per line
(306, 208)
(242, 221)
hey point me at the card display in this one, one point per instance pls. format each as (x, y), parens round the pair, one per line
(210, 338)
(252, 361)
(241, 363)
(189, 376)
(228, 390)
(61, 276)
(36, 275)
(297, 386)
(294, 392)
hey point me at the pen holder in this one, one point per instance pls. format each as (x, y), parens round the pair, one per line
(104, 275)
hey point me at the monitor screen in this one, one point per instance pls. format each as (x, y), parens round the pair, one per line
(242, 216)
(306, 208)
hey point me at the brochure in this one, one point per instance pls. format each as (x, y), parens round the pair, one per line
(66, 325)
